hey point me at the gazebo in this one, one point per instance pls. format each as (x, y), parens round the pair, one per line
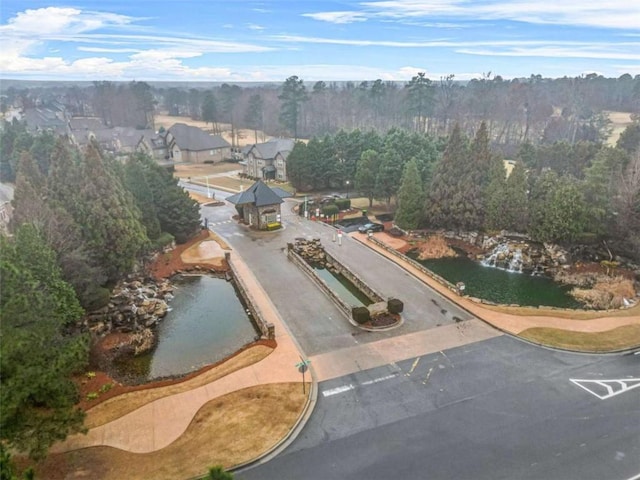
(259, 205)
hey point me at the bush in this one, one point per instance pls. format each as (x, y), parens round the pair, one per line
(162, 241)
(330, 210)
(343, 203)
(97, 298)
(273, 226)
(395, 306)
(360, 315)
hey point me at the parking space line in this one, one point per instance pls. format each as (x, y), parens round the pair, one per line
(413, 367)
(424, 382)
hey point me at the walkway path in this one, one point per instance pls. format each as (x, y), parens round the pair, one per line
(159, 423)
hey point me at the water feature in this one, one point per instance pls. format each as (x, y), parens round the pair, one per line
(503, 257)
(207, 323)
(346, 290)
(501, 285)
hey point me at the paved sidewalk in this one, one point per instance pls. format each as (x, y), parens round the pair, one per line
(159, 423)
(513, 324)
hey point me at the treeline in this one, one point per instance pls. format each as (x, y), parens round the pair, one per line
(559, 192)
(535, 109)
(81, 221)
(520, 110)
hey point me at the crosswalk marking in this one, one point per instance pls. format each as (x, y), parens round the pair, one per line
(605, 389)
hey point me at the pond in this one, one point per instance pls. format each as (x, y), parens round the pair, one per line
(501, 286)
(207, 323)
(342, 287)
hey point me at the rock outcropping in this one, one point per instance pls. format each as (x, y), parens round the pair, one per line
(135, 307)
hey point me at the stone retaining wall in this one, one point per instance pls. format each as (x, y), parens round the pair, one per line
(267, 329)
(306, 268)
(416, 265)
(372, 295)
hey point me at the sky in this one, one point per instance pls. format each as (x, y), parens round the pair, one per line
(271, 40)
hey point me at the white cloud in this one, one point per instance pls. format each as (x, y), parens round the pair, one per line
(618, 14)
(252, 26)
(107, 50)
(337, 17)
(554, 52)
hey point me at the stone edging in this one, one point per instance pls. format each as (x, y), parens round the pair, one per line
(267, 329)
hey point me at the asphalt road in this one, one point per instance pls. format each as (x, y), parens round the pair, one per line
(498, 409)
(313, 319)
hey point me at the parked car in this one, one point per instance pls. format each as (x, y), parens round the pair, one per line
(371, 227)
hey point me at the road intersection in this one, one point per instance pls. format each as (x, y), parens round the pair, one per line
(443, 396)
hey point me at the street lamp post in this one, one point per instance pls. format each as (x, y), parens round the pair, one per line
(348, 182)
(208, 191)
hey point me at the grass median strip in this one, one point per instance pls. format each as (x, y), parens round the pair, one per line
(621, 338)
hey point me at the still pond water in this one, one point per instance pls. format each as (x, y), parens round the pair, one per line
(501, 286)
(343, 288)
(207, 323)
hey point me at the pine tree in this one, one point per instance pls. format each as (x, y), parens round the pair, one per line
(389, 176)
(110, 222)
(178, 213)
(293, 95)
(448, 205)
(410, 198)
(496, 197)
(36, 358)
(366, 173)
(137, 183)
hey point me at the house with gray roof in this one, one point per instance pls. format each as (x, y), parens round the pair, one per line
(193, 145)
(46, 120)
(268, 160)
(259, 205)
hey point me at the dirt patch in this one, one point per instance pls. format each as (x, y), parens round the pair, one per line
(169, 263)
(199, 171)
(208, 252)
(226, 431)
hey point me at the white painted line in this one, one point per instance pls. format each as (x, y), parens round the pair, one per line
(381, 379)
(337, 390)
(613, 387)
(413, 367)
(635, 477)
(428, 376)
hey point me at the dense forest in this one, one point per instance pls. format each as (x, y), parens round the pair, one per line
(81, 222)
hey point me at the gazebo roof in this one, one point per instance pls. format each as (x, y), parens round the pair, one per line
(260, 195)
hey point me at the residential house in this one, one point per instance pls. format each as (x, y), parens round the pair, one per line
(46, 120)
(193, 145)
(268, 160)
(259, 205)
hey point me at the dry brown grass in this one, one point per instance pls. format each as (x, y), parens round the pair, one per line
(619, 121)
(118, 406)
(198, 171)
(568, 314)
(227, 431)
(243, 136)
(620, 338)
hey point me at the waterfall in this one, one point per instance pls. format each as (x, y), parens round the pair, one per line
(504, 258)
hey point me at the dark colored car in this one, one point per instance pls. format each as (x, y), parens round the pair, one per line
(373, 227)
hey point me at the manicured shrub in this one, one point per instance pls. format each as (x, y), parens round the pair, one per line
(343, 203)
(330, 210)
(360, 315)
(395, 306)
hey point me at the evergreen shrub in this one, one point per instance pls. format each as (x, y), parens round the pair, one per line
(360, 315)
(395, 306)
